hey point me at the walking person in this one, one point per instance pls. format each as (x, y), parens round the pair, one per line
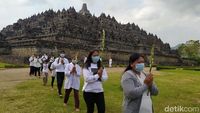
(37, 65)
(31, 64)
(72, 82)
(60, 64)
(45, 71)
(43, 59)
(138, 87)
(110, 62)
(94, 74)
(52, 70)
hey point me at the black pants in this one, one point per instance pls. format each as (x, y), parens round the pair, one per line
(32, 70)
(94, 98)
(76, 96)
(60, 79)
(37, 70)
(52, 81)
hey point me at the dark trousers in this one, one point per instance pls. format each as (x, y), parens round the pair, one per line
(76, 96)
(60, 78)
(52, 81)
(37, 70)
(31, 70)
(94, 98)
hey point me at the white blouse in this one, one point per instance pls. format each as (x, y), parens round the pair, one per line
(53, 70)
(59, 67)
(72, 80)
(146, 103)
(31, 60)
(91, 82)
(37, 62)
(45, 68)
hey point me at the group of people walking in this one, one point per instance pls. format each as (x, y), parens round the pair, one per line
(135, 83)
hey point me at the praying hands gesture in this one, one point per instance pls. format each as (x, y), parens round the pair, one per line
(73, 70)
(100, 72)
(62, 61)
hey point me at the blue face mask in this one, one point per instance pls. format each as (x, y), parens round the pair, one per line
(139, 67)
(95, 59)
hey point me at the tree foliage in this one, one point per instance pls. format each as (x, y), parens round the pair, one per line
(191, 50)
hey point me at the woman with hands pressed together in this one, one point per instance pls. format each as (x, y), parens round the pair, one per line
(138, 87)
(72, 82)
(94, 74)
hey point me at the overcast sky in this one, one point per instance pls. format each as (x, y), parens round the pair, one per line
(174, 21)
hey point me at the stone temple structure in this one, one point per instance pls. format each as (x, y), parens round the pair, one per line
(50, 31)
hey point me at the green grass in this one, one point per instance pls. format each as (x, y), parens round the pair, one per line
(7, 65)
(176, 87)
(2, 65)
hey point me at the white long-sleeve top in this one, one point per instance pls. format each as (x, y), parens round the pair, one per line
(59, 67)
(91, 82)
(72, 80)
(53, 70)
(37, 62)
(44, 57)
(45, 68)
(31, 59)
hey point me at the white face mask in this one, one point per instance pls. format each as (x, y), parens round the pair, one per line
(62, 55)
(74, 61)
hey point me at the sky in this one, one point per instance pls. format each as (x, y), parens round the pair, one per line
(174, 21)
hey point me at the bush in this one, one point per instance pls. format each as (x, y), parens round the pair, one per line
(165, 67)
(192, 68)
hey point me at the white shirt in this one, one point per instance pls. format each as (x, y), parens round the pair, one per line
(110, 62)
(37, 62)
(72, 80)
(53, 70)
(59, 67)
(146, 103)
(51, 59)
(31, 59)
(85, 59)
(44, 57)
(91, 82)
(45, 68)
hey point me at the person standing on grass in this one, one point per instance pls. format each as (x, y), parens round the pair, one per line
(37, 64)
(45, 71)
(43, 59)
(53, 72)
(60, 64)
(31, 64)
(110, 62)
(138, 87)
(94, 74)
(72, 82)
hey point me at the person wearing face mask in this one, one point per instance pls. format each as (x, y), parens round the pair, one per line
(136, 84)
(94, 74)
(59, 64)
(72, 82)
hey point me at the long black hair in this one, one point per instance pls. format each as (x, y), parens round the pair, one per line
(132, 58)
(89, 60)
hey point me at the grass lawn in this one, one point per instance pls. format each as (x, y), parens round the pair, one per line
(7, 65)
(2, 65)
(176, 88)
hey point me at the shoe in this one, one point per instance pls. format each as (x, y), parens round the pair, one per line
(64, 104)
(60, 96)
(77, 109)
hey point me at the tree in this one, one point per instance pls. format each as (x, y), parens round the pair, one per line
(191, 50)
